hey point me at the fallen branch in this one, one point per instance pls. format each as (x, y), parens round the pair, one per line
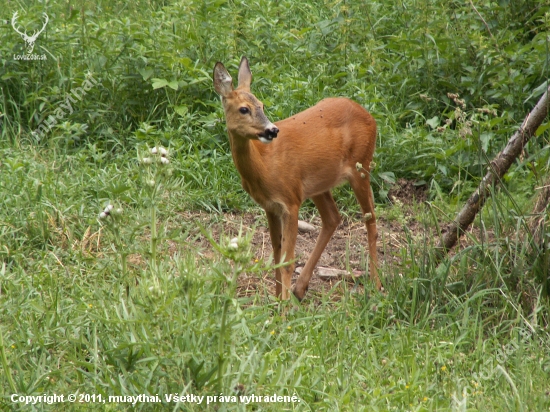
(496, 170)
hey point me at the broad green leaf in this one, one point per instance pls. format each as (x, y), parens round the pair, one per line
(433, 122)
(145, 73)
(485, 139)
(181, 110)
(542, 128)
(538, 91)
(388, 177)
(186, 62)
(159, 83)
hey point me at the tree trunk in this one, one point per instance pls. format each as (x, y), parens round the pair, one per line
(496, 169)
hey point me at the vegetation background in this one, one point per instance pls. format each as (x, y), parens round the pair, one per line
(447, 81)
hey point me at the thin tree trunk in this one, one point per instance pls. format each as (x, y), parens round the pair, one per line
(496, 169)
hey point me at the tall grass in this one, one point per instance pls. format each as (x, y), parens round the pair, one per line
(135, 303)
(154, 62)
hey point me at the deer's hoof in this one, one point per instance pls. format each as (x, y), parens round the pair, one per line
(299, 293)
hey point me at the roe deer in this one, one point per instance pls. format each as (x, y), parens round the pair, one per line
(301, 157)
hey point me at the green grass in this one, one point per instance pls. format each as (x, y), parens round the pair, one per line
(139, 303)
(75, 318)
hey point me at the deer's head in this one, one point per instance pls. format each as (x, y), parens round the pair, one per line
(244, 113)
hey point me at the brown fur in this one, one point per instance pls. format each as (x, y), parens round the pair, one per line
(314, 151)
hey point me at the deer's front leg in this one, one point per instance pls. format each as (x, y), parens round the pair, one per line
(276, 234)
(289, 222)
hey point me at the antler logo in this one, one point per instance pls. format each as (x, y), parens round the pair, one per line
(29, 40)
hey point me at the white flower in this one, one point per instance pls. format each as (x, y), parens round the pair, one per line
(234, 244)
(154, 150)
(102, 215)
(164, 160)
(109, 208)
(163, 151)
(146, 161)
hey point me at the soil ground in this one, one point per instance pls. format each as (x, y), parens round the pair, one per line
(347, 249)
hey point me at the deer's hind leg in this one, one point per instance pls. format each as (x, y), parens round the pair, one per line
(360, 184)
(331, 219)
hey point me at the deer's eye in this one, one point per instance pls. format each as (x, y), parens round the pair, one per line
(244, 110)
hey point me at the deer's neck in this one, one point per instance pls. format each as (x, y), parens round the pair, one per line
(248, 156)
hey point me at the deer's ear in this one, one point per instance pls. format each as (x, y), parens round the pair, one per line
(245, 75)
(223, 83)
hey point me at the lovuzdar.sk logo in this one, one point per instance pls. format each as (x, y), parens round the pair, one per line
(29, 40)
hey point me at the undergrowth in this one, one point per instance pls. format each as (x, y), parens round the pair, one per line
(103, 287)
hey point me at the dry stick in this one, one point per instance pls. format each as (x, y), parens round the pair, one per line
(497, 168)
(483, 20)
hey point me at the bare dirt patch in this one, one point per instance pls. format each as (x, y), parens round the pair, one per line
(408, 192)
(347, 249)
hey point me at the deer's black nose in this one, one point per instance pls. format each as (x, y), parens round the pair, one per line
(272, 132)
